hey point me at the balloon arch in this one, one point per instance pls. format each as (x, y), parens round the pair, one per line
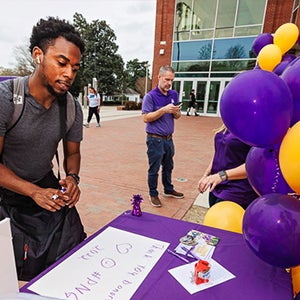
(262, 108)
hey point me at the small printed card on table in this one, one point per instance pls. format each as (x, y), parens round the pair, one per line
(197, 244)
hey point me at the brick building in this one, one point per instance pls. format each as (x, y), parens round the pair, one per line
(208, 42)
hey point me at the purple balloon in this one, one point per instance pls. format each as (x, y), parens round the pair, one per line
(261, 41)
(271, 228)
(257, 107)
(264, 173)
(288, 57)
(291, 76)
(281, 67)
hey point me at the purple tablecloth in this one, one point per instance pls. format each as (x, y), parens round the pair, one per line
(255, 280)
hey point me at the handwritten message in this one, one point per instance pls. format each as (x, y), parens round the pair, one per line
(110, 266)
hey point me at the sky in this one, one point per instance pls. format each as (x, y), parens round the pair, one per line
(133, 22)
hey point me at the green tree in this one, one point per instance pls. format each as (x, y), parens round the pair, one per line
(136, 70)
(100, 60)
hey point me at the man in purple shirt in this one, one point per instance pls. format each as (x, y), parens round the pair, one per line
(160, 108)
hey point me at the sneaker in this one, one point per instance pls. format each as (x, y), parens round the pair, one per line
(174, 194)
(98, 125)
(86, 125)
(155, 201)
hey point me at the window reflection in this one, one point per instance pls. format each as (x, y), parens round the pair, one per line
(215, 37)
(233, 48)
(196, 19)
(250, 12)
(226, 13)
(223, 49)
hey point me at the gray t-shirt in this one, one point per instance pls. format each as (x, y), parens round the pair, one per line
(30, 146)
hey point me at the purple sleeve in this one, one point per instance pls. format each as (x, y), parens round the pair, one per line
(147, 105)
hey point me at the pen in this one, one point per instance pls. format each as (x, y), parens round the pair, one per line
(189, 252)
(177, 255)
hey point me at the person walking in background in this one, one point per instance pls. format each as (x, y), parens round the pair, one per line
(192, 104)
(159, 109)
(44, 221)
(94, 102)
(226, 176)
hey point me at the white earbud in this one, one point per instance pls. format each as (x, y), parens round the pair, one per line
(38, 60)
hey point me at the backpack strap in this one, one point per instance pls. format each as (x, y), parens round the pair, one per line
(18, 100)
(18, 87)
(71, 111)
(67, 112)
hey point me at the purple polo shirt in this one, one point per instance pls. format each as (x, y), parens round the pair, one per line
(230, 152)
(153, 101)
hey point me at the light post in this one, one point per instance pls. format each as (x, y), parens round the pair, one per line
(95, 66)
(146, 78)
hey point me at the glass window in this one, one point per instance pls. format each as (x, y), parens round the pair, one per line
(200, 95)
(295, 12)
(176, 86)
(233, 48)
(250, 12)
(195, 75)
(181, 36)
(202, 34)
(232, 65)
(248, 30)
(226, 13)
(196, 50)
(213, 96)
(187, 87)
(197, 66)
(204, 14)
(224, 32)
(183, 17)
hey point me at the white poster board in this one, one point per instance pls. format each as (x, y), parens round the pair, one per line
(110, 266)
(8, 273)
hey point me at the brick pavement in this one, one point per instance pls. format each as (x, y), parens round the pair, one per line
(114, 166)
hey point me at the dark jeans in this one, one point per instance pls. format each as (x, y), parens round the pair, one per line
(93, 110)
(213, 199)
(160, 153)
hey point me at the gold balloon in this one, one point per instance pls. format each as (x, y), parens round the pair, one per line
(225, 215)
(286, 36)
(289, 157)
(295, 273)
(269, 57)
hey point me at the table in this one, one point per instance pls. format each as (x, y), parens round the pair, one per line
(255, 279)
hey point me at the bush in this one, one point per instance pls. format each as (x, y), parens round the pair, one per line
(132, 105)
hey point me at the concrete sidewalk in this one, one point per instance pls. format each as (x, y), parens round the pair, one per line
(114, 165)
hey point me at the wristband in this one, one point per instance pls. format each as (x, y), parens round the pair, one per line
(223, 175)
(75, 176)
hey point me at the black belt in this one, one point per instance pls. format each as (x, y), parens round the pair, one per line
(164, 137)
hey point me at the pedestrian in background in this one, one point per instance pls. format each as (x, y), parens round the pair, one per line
(192, 104)
(94, 102)
(160, 108)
